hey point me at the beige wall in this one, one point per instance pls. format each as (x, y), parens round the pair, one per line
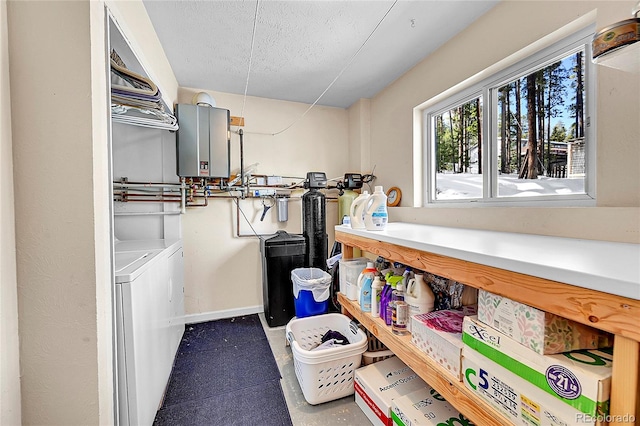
(223, 272)
(494, 36)
(9, 359)
(360, 137)
(59, 125)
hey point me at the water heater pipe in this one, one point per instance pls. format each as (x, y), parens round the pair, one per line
(146, 185)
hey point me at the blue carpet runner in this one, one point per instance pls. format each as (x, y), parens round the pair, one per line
(224, 373)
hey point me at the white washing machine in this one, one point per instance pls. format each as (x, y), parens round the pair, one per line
(149, 323)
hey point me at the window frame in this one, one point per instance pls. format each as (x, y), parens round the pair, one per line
(487, 89)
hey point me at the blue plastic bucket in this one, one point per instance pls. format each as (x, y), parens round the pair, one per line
(310, 291)
(306, 306)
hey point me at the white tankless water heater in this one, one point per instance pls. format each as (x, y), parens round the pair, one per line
(203, 141)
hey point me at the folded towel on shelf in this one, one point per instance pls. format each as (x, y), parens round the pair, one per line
(130, 88)
(143, 117)
(136, 99)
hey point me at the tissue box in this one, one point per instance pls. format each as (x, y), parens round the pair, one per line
(425, 407)
(540, 331)
(520, 401)
(580, 379)
(439, 335)
(376, 385)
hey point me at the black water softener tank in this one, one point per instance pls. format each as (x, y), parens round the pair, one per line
(315, 221)
(281, 254)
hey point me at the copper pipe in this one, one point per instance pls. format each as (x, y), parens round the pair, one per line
(146, 185)
(206, 202)
(125, 183)
(129, 194)
(148, 201)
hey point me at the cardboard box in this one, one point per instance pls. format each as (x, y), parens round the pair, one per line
(425, 407)
(516, 398)
(377, 384)
(580, 379)
(540, 331)
(439, 335)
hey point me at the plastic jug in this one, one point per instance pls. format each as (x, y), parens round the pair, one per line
(419, 296)
(365, 292)
(376, 216)
(356, 212)
(368, 272)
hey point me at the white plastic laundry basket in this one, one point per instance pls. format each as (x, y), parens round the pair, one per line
(327, 374)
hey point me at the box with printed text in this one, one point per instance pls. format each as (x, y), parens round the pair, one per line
(376, 385)
(519, 400)
(425, 407)
(579, 379)
(540, 331)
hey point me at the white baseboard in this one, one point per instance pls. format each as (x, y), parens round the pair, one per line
(229, 313)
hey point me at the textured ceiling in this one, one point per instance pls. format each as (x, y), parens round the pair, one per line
(300, 47)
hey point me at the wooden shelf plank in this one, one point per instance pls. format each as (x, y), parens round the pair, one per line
(442, 381)
(626, 376)
(615, 314)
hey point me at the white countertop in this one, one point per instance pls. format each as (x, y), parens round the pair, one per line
(609, 267)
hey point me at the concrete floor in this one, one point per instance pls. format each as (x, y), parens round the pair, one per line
(343, 411)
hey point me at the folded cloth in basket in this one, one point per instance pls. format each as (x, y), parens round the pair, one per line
(339, 337)
(331, 343)
(331, 339)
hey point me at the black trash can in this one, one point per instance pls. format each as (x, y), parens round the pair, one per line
(281, 254)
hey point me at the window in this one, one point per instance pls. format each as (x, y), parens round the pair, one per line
(521, 135)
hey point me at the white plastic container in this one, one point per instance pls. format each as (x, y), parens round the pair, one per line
(350, 270)
(357, 210)
(327, 374)
(419, 297)
(376, 288)
(376, 215)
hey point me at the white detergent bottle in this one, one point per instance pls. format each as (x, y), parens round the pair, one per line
(356, 213)
(419, 297)
(368, 272)
(376, 216)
